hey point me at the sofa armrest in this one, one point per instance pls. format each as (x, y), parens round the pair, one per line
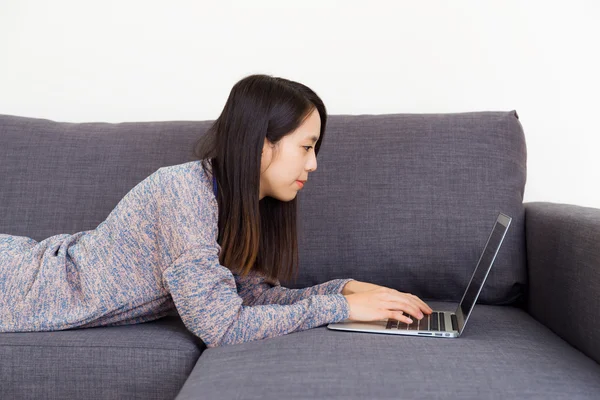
(563, 262)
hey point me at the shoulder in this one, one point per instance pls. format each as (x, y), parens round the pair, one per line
(188, 170)
(186, 178)
(186, 205)
(186, 187)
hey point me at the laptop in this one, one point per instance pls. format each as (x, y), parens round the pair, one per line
(445, 324)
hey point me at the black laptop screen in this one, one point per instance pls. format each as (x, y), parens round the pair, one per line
(483, 266)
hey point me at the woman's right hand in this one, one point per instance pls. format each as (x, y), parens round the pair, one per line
(385, 303)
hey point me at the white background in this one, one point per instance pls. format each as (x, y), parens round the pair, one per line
(114, 61)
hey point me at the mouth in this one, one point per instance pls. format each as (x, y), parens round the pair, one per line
(300, 183)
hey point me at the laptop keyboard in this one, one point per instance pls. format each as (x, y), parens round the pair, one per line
(430, 322)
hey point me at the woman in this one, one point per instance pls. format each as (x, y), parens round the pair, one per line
(207, 239)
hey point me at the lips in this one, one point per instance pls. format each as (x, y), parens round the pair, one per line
(300, 183)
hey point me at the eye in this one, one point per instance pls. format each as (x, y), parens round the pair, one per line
(307, 148)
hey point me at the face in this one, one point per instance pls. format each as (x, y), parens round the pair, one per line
(291, 159)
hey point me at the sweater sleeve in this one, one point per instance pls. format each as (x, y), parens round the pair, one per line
(254, 289)
(205, 295)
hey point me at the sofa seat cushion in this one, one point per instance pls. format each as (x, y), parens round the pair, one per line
(503, 353)
(143, 361)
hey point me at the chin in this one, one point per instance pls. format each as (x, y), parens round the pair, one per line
(288, 198)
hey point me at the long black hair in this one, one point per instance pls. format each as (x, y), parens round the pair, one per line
(257, 235)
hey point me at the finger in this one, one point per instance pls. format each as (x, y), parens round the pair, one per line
(408, 302)
(413, 300)
(415, 312)
(399, 316)
(407, 307)
(421, 304)
(411, 305)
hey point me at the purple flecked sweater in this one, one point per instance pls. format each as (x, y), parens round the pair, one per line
(156, 254)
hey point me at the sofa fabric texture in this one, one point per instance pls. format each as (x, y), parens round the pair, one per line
(406, 201)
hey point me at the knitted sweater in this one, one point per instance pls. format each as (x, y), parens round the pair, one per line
(156, 254)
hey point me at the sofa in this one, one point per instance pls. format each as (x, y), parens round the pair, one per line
(404, 201)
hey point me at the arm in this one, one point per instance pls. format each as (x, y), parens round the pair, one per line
(204, 291)
(255, 290)
(563, 262)
(205, 295)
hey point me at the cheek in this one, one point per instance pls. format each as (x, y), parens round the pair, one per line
(279, 179)
(283, 174)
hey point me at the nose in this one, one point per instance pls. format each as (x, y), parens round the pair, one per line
(313, 165)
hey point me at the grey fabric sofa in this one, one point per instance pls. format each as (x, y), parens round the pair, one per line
(401, 200)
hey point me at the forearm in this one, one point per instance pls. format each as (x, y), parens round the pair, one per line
(267, 321)
(205, 295)
(285, 296)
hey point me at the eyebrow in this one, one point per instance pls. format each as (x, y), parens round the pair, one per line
(313, 138)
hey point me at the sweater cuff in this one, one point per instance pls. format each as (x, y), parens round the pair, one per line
(339, 285)
(341, 306)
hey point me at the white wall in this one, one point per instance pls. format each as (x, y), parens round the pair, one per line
(148, 60)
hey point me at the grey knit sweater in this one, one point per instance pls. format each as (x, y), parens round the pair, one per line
(156, 254)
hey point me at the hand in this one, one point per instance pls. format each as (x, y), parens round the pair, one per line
(357, 287)
(385, 303)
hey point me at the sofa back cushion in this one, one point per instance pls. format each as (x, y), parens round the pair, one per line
(408, 201)
(401, 200)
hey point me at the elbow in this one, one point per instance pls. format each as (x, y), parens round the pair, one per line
(213, 338)
(224, 332)
(227, 336)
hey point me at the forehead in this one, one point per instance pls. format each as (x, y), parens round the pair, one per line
(305, 135)
(310, 128)
(312, 138)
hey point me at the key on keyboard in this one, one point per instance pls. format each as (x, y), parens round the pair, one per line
(434, 321)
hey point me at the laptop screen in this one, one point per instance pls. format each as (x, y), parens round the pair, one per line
(483, 268)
